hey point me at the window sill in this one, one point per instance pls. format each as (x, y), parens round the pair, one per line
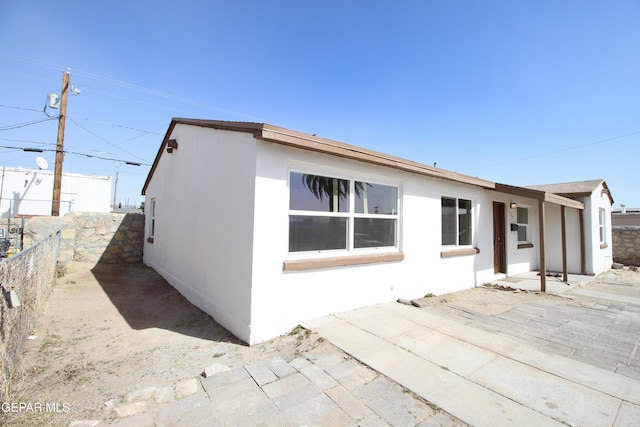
(603, 246)
(150, 240)
(450, 253)
(314, 263)
(525, 245)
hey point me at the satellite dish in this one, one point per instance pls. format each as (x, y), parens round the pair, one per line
(42, 163)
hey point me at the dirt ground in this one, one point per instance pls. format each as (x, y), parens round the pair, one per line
(114, 329)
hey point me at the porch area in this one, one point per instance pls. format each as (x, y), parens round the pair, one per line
(530, 281)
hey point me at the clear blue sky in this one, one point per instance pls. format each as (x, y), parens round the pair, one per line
(518, 92)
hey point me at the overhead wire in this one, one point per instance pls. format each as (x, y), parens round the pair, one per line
(104, 140)
(548, 153)
(131, 86)
(76, 153)
(25, 124)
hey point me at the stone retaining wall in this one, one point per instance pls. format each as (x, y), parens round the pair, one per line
(91, 237)
(626, 245)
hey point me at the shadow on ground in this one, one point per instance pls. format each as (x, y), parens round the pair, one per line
(145, 300)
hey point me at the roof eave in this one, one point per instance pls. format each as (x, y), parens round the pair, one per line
(539, 195)
(313, 143)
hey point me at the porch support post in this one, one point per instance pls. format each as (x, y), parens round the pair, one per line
(543, 262)
(565, 276)
(583, 249)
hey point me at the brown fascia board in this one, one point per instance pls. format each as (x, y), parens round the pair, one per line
(539, 195)
(313, 143)
(304, 141)
(167, 135)
(570, 189)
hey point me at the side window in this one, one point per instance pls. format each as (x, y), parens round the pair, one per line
(457, 222)
(602, 223)
(523, 225)
(152, 223)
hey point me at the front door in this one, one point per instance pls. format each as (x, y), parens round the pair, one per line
(499, 243)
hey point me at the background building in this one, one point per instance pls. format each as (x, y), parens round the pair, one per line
(27, 192)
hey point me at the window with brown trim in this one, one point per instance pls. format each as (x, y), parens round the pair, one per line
(456, 222)
(328, 213)
(523, 226)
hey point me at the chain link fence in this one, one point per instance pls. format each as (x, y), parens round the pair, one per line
(11, 236)
(26, 280)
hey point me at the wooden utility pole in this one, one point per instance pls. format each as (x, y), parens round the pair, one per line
(57, 177)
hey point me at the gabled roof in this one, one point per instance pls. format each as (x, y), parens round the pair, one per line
(574, 189)
(308, 142)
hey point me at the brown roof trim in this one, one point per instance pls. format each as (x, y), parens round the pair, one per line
(308, 142)
(304, 141)
(576, 188)
(539, 195)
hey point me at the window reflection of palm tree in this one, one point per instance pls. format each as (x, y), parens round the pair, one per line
(335, 190)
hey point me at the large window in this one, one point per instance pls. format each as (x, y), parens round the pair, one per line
(329, 213)
(523, 225)
(456, 222)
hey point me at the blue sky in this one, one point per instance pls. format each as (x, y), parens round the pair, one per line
(526, 92)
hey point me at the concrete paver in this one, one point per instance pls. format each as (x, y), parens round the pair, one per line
(317, 388)
(477, 369)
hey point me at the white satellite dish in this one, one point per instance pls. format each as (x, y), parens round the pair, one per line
(42, 163)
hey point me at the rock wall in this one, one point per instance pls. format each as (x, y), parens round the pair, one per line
(91, 237)
(626, 245)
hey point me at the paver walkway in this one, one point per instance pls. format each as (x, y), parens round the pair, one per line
(605, 334)
(483, 378)
(323, 388)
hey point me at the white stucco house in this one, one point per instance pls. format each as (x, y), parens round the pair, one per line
(26, 192)
(264, 227)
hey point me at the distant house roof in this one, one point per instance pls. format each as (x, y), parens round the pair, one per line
(278, 135)
(574, 189)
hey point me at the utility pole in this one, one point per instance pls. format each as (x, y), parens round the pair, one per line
(57, 177)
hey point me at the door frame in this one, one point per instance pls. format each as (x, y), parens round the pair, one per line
(499, 238)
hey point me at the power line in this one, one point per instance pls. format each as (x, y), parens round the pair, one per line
(102, 139)
(91, 156)
(131, 86)
(548, 153)
(25, 124)
(20, 108)
(153, 132)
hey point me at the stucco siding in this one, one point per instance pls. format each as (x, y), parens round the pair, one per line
(282, 299)
(204, 193)
(601, 254)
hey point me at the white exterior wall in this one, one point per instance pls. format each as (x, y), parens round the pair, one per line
(226, 251)
(599, 257)
(29, 192)
(204, 193)
(283, 299)
(553, 239)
